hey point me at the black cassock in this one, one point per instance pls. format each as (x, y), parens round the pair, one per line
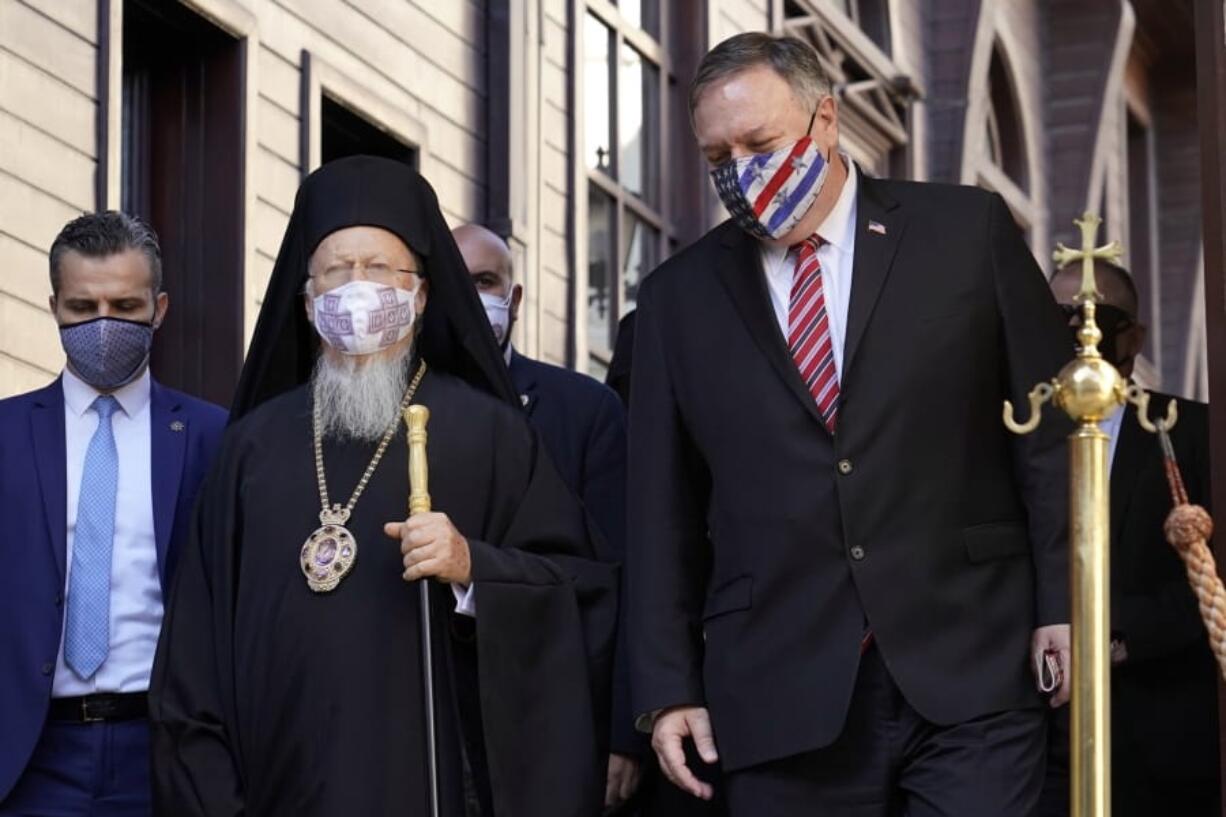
(270, 699)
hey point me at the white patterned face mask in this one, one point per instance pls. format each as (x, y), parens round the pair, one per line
(498, 310)
(363, 317)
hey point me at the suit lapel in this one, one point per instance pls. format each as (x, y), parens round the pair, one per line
(524, 381)
(874, 254)
(168, 445)
(51, 462)
(740, 269)
(1125, 468)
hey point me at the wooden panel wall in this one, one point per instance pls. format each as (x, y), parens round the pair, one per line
(554, 188)
(47, 157)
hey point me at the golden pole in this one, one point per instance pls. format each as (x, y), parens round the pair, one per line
(1088, 389)
(1091, 659)
(415, 419)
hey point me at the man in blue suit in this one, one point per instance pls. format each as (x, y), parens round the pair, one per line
(98, 473)
(583, 425)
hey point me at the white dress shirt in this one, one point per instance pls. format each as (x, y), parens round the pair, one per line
(465, 599)
(838, 232)
(136, 589)
(1112, 426)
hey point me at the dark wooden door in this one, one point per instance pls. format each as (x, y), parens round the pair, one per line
(183, 171)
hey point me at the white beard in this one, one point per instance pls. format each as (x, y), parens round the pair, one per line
(359, 397)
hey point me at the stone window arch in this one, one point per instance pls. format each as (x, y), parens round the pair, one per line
(1001, 136)
(1006, 143)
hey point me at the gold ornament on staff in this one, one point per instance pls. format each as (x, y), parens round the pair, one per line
(1089, 390)
(415, 419)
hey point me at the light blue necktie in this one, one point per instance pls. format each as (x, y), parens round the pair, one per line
(87, 635)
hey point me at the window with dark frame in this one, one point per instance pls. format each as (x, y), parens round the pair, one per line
(875, 95)
(873, 18)
(870, 16)
(345, 132)
(634, 114)
(182, 170)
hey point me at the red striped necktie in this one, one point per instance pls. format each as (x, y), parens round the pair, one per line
(809, 338)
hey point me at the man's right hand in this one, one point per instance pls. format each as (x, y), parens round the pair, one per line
(671, 728)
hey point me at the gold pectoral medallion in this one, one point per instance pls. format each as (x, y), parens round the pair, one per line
(329, 552)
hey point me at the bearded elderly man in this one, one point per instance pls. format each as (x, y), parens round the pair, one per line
(841, 564)
(288, 679)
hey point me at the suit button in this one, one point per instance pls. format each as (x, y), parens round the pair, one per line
(59, 599)
(845, 467)
(857, 552)
(47, 668)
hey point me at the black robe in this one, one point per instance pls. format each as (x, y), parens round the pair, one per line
(270, 699)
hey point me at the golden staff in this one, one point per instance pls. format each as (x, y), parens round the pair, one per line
(415, 419)
(1089, 389)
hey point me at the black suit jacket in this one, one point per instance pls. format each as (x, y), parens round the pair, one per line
(583, 426)
(960, 526)
(1164, 697)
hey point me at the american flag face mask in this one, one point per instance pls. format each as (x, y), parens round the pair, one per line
(768, 193)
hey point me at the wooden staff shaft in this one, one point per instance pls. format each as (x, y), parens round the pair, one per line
(415, 419)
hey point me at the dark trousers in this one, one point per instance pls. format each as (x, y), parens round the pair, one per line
(1136, 790)
(890, 762)
(85, 770)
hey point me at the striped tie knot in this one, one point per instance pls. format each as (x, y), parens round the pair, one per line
(810, 245)
(809, 338)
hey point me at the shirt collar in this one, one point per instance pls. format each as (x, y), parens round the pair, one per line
(839, 226)
(132, 398)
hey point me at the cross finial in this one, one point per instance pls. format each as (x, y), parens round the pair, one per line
(1087, 255)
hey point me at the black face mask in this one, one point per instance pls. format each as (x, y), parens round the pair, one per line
(1111, 320)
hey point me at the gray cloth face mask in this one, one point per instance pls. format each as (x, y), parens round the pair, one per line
(107, 352)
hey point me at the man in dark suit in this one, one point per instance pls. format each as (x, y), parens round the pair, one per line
(842, 566)
(99, 471)
(1164, 726)
(584, 428)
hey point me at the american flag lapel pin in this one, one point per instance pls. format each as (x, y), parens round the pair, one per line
(876, 227)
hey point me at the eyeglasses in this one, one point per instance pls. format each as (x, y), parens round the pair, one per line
(379, 273)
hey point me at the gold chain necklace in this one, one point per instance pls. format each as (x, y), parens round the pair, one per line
(329, 553)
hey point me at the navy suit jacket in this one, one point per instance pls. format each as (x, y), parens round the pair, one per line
(583, 424)
(33, 491)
